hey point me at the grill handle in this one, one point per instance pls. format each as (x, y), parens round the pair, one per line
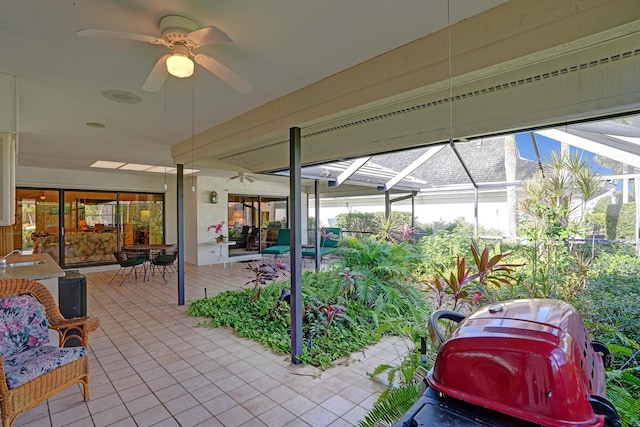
(437, 337)
(602, 348)
(602, 406)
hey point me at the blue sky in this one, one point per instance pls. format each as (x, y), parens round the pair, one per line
(546, 146)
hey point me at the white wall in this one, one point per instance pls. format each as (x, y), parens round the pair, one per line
(88, 180)
(207, 213)
(492, 208)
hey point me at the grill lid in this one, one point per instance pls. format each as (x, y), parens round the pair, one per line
(530, 358)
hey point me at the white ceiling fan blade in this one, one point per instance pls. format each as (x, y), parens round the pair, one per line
(120, 35)
(228, 76)
(209, 35)
(250, 179)
(157, 76)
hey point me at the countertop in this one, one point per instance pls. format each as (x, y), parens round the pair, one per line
(46, 270)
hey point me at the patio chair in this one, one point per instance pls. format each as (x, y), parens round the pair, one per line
(31, 368)
(328, 243)
(282, 245)
(131, 261)
(164, 261)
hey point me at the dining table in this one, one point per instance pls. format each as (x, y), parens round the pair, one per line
(147, 247)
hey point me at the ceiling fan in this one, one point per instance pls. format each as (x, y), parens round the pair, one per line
(182, 36)
(242, 177)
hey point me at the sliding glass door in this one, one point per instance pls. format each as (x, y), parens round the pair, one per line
(142, 218)
(254, 222)
(90, 228)
(81, 228)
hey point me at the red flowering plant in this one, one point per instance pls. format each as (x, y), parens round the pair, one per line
(217, 228)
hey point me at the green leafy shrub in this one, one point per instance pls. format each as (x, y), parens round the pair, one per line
(388, 273)
(623, 389)
(440, 250)
(267, 320)
(621, 221)
(612, 296)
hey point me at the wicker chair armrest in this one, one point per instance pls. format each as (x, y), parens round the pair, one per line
(88, 323)
(77, 327)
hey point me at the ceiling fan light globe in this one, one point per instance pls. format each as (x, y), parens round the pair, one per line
(180, 65)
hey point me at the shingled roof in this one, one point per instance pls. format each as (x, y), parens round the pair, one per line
(483, 158)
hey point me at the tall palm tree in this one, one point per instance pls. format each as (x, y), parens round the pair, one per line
(510, 165)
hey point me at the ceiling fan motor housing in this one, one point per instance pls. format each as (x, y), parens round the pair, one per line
(174, 30)
(176, 24)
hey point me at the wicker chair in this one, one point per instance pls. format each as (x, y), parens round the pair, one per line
(19, 394)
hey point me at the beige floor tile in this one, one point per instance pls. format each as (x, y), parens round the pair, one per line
(220, 404)
(112, 416)
(151, 416)
(235, 416)
(151, 365)
(277, 417)
(254, 422)
(298, 405)
(97, 405)
(193, 416)
(297, 423)
(319, 417)
(142, 404)
(66, 416)
(243, 393)
(338, 405)
(259, 404)
(180, 404)
(354, 415)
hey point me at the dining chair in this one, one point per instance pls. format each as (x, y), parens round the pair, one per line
(131, 261)
(165, 261)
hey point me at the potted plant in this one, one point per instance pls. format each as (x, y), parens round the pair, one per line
(217, 228)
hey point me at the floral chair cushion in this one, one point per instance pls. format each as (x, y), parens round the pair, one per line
(23, 324)
(32, 363)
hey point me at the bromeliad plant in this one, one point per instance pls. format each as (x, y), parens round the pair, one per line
(347, 286)
(467, 285)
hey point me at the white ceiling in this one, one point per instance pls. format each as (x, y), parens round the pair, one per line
(287, 50)
(279, 46)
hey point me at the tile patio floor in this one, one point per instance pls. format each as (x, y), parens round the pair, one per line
(151, 365)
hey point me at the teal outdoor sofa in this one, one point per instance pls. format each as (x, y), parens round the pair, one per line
(328, 243)
(282, 245)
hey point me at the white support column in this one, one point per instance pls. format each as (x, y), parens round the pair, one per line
(8, 132)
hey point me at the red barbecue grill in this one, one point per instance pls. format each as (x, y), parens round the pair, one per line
(515, 363)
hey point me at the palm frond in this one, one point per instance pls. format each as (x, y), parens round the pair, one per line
(392, 406)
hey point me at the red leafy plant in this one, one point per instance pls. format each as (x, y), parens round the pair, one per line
(467, 285)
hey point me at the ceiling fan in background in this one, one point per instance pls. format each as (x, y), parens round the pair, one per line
(182, 36)
(242, 177)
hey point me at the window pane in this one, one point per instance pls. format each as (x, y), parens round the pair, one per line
(90, 227)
